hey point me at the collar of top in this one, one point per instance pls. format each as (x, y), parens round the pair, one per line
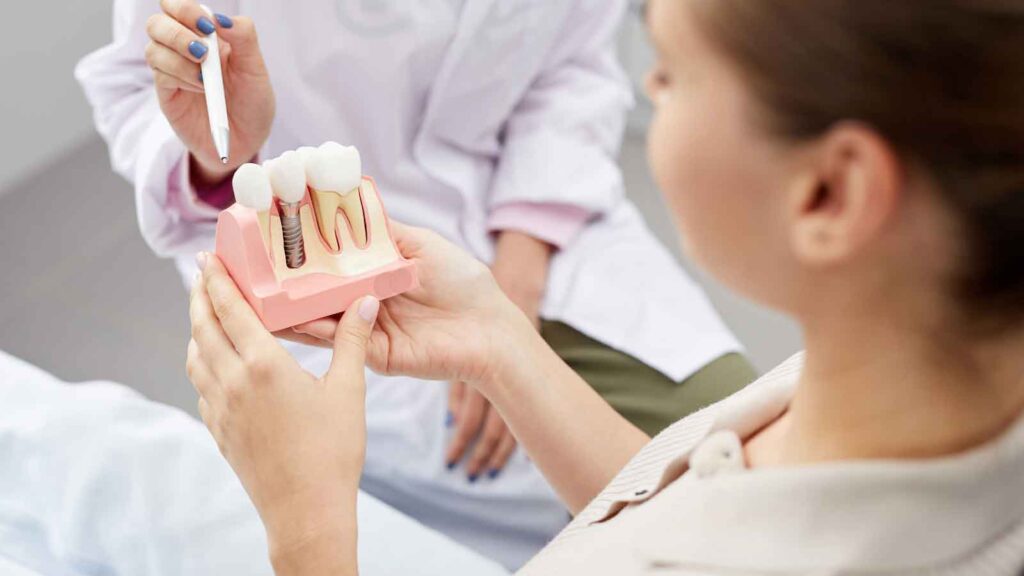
(879, 515)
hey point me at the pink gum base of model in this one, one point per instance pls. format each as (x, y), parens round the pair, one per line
(281, 305)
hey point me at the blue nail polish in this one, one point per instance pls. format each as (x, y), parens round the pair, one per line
(206, 26)
(449, 419)
(197, 49)
(224, 21)
(451, 466)
(472, 478)
(493, 473)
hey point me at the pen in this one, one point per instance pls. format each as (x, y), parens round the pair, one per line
(216, 105)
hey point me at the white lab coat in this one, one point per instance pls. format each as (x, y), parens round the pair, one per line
(527, 104)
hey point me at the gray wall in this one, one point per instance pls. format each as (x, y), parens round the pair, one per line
(637, 56)
(42, 111)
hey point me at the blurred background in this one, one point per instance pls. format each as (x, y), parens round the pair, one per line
(82, 295)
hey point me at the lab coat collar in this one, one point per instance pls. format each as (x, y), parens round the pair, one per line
(813, 517)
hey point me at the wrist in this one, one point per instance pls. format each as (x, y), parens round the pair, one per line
(521, 264)
(206, 175)
(314, 540)
(522, 285)
(328, 553)
(520, 244)
(518, 348)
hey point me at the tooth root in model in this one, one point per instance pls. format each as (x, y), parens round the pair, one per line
(288, 179)
(252, 190)
(335, 173)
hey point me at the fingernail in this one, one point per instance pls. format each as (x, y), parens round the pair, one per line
(473, 478)
(197, 49)
(451, 466)
(201, 260)
(449, 419)
(206, 26)
(369, 308)
(224, 21)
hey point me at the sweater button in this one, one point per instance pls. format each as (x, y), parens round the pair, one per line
(720, 452)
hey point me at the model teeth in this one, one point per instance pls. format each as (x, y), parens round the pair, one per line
(335, 173)
(306, 154)
(252, 187)
(352, 207)
(335, 168)
(288, 177)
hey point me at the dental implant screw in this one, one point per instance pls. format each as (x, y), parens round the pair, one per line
(291, 234)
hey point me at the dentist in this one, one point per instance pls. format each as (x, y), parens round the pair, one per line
(495, 123)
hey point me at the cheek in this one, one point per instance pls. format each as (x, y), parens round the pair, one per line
(714, 191)
(692, 169)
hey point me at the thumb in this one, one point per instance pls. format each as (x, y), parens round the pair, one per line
(245, 46)
(351, 337)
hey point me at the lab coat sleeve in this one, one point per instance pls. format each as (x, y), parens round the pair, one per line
(558, 166)
(556, 224)
(143, 147)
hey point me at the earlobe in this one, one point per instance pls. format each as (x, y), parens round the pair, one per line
(812, 237)
(851, 194)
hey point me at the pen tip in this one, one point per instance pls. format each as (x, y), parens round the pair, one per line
(223, 159)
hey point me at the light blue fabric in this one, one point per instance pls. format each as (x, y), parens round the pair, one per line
(95, 479)
(9, 568)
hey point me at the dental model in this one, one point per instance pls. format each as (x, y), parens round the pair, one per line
(253, 190)
(335, 173)
(309, 255)
(288, 179)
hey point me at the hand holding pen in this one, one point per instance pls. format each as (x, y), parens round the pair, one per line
(182, 38)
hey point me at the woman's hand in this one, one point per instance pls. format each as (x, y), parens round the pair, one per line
(178, 45)
(457, 326)
(296, 442)
(460, 325)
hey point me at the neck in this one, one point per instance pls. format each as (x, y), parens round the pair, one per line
(872, 390)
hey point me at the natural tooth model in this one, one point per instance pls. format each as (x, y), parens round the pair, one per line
(288, 179)
(252, 190)
(335, 173)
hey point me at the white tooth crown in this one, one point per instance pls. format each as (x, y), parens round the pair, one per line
(335, 168)
(252, 187)
(336, 226)
(306, 153)
(288, 177)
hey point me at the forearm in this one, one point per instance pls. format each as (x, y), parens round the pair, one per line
(576, 439)
(315, 538)
(521, 266)
(326, 555)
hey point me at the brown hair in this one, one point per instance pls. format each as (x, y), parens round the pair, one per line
(941, 80)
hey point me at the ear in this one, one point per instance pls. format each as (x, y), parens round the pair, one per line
(848, 194)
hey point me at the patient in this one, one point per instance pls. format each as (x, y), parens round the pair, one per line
(858, 165)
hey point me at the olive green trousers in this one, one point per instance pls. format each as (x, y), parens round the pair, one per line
(641, 394)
